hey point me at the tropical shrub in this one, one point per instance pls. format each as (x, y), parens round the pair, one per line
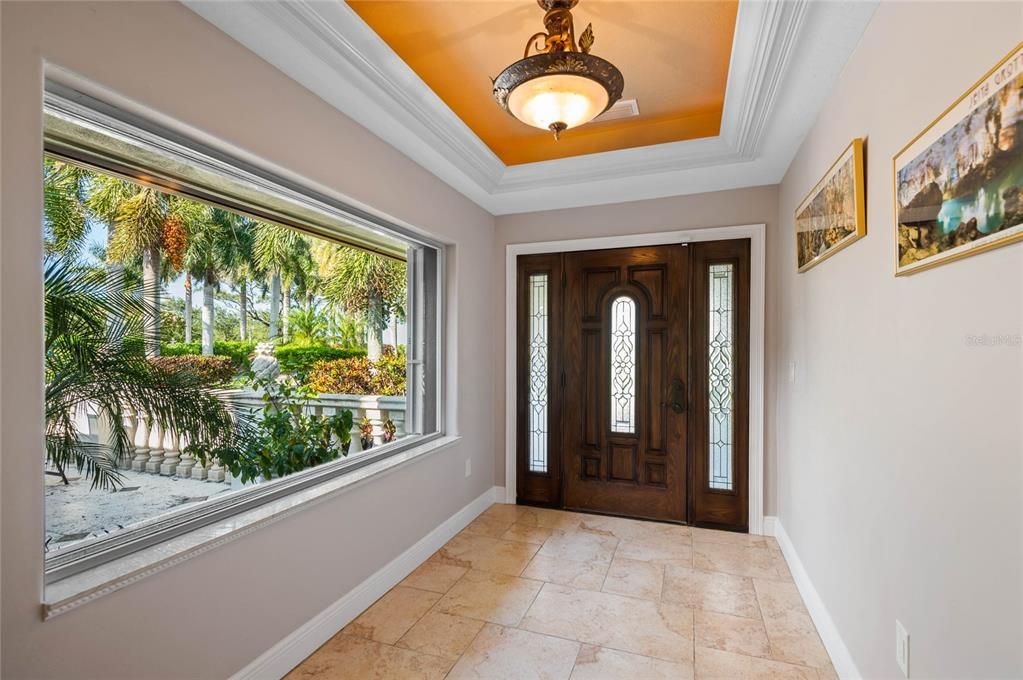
(283, 438)
(360, 376)
(94, 356)
(238, 350)
(212, 371)
(298, 359)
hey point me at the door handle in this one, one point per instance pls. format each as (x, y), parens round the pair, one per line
(678, 396)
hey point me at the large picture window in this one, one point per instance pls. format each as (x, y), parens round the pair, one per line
(215, 337)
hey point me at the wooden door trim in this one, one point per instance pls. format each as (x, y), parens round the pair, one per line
(757, 235)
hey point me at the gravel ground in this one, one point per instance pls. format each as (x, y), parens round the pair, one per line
(76, 512)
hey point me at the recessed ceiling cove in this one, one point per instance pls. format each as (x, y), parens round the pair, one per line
(674, 57)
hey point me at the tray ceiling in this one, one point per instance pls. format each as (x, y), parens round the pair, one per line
(785, 58)
(674, 56)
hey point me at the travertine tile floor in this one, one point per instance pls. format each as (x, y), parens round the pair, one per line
(533, 593)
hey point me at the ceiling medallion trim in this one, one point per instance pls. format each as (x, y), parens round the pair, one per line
(329, 49)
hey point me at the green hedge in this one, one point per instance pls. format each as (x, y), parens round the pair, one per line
(211, 370)
(299, 359)
(237, 350)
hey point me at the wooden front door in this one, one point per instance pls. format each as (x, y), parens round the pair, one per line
(632, 382)
(625, 315)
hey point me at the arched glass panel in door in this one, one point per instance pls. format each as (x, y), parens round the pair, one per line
(623, 365)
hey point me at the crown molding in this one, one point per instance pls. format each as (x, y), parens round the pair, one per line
(329, 49)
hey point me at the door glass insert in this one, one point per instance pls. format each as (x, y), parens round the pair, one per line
(538, 388)
(721, 380)
(623, 365)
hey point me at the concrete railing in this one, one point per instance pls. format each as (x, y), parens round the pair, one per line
(161, 452)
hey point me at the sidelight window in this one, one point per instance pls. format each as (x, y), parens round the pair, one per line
(538, 387)
(623, 365)
(721, 373)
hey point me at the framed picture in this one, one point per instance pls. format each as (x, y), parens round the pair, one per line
(959, 184)
(832, 215)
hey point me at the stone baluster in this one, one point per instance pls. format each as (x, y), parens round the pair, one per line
(356, 432)
(327, 412)
(155, 448)
(138, 463)
(217, 472)
(199, 470)
(376, 418)
(131, 426)
(187, 461)
(398, 418)
(172, 454)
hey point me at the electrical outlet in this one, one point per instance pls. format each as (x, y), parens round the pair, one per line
(902, 647)
(468, 466)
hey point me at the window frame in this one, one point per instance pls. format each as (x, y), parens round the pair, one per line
(426, 346)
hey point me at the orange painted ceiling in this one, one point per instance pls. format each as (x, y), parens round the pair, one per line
(674, 55)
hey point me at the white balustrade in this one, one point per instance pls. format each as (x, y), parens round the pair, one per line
(131, 426)
(172, 454)
(199, 470)
(160, 451)
(138, 463)
(155, 448)
(187, 461)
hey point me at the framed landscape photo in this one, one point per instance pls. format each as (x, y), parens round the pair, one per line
(832, 215)
(959, 184)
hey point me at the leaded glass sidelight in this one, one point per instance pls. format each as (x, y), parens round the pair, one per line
(721, 374)
(623, 365)
(538, 387)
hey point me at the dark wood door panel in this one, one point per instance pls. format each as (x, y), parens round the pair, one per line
(623, 340)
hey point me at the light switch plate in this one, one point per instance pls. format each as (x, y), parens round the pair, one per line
(468, 466)
(902, 647)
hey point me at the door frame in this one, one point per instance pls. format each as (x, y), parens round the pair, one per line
(756, 233)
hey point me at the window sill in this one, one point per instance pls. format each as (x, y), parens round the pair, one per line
(74, 591)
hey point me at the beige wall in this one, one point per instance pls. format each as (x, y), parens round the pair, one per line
(208, 617)
(758, 205)
(900, 446)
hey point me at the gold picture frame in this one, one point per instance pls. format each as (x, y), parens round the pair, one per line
(833, 215)
(958, 185)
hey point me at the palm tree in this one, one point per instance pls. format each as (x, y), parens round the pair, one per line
(65, 220)
(91, 361)
(309, 324)
(141, 220)
(279, 251)
(216, 245)
(188, 306)
(363, 283)
(242, 270)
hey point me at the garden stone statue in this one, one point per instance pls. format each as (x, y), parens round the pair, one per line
(264, 364)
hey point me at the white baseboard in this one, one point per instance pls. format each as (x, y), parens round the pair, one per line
(277, 661)
(845, 667)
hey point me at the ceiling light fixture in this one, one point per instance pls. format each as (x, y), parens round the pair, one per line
(562, 86)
